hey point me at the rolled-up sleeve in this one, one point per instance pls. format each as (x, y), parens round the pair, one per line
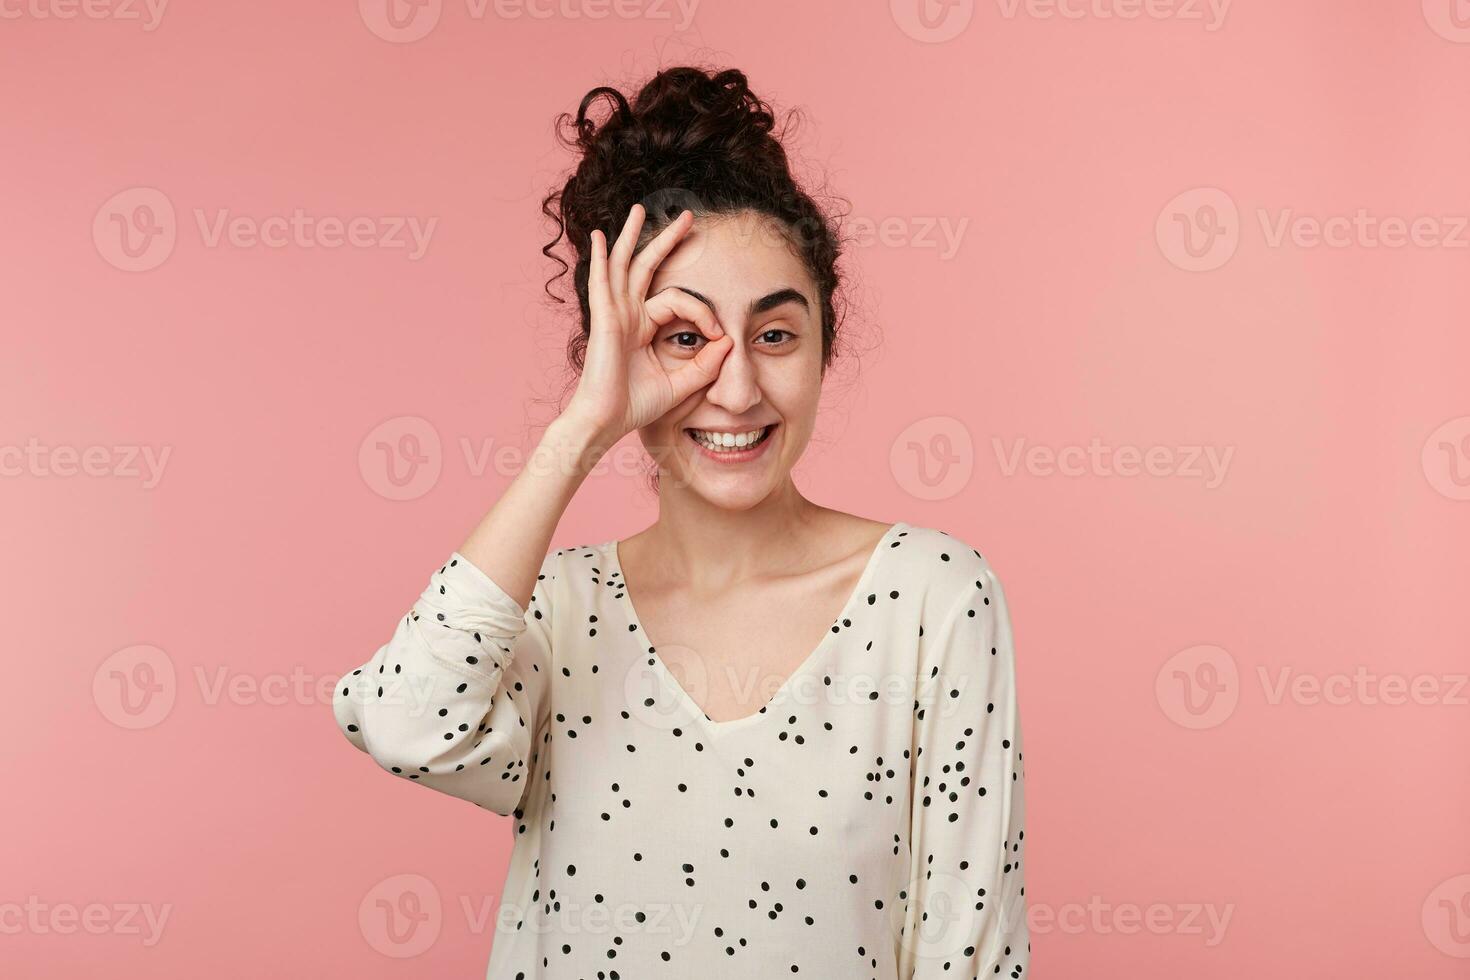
(454, 699)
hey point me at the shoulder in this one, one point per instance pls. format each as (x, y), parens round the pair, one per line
(948, 570)
(570, 575)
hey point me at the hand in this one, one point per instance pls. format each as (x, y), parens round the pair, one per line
(624, 386)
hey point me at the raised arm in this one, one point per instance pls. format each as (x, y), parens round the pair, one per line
(624, 386)
(454, 699)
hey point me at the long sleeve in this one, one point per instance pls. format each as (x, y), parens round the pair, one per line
(966, 911)
(454, 699)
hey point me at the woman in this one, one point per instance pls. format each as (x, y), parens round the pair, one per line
(760, 737)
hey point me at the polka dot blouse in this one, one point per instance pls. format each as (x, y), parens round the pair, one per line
(867, 822)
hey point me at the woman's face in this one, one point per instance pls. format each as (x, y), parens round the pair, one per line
(769, 383)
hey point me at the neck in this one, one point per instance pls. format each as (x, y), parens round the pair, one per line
(710, 547)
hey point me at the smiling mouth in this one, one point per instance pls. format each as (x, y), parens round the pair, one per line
(720, 443)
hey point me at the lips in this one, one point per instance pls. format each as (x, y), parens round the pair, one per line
(719, 442)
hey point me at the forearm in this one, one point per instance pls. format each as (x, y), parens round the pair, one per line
(511, 541)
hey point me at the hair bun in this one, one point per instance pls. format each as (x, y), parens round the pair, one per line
(691, 139)
(685, 130)
(683, 110)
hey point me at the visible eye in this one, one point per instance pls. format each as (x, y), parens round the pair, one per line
(686, 339)
(775, 336)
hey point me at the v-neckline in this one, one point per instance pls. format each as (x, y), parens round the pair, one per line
(650, 649)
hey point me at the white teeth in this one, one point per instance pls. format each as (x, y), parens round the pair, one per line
(729, 441)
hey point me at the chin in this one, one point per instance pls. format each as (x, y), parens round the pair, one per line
(726, 491)
(731, 498)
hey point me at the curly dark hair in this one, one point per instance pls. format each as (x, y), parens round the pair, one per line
(690, 139)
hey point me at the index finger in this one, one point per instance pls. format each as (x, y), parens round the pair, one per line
(667, 304)
(640, 274)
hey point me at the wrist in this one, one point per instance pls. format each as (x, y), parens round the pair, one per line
(573, 446)
(574, 429)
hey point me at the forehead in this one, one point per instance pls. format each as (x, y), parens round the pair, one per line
(733, 259)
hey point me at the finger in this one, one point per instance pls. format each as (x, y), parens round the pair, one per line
(655, 252)
(597, 302)
(599, 295)
(597, 267)
(673, 303)
(622, 252)
(700, 371)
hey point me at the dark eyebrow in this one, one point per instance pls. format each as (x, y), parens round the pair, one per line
(767, 302)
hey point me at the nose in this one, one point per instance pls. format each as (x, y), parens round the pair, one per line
(737, 387)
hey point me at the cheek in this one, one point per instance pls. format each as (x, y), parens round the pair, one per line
(655, 436)
(795, 390)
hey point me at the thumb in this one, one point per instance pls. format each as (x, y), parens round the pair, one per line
(702, 370)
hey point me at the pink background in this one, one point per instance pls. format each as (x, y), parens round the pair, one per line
(1156, 614)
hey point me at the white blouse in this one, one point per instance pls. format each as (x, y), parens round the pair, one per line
(867, 822)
